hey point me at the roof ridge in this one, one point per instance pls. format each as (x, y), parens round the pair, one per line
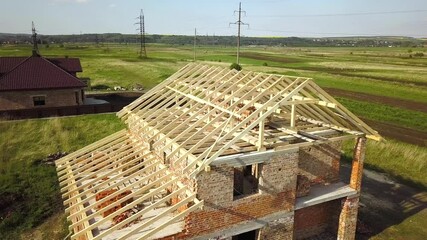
(13, 69)
(45, 59)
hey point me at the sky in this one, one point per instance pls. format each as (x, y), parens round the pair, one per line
(268, 18)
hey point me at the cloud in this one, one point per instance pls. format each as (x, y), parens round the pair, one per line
(112, 5)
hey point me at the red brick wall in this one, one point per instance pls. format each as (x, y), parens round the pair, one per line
(348, 219)
(316, 219)
(245, 209)
(320, 163)
(278, 230)
(277, 193)
(24, 99)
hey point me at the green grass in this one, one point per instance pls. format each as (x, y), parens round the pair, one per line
(382, 113)
(28, 188)
(401, 161)
(412, 228)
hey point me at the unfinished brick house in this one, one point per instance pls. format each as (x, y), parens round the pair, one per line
(213, 153)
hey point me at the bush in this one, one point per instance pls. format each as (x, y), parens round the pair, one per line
(265, 64)
(236, 66)
(419, 54)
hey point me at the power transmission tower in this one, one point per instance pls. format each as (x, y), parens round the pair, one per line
(195, 40)
(239, 23)
(141, 29)
(34, 37)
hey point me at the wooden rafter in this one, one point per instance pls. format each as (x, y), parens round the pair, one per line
(176, 130)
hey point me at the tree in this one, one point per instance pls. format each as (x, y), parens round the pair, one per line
(236, 66)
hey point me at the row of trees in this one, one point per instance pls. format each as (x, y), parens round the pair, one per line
(219, 40)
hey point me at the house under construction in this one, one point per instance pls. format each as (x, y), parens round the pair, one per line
(213, 153)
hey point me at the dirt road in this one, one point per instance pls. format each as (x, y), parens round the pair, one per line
(386, 204)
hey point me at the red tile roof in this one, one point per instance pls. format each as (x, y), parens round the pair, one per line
(71, 65)
(8, 63)
(38, 73)
(68, 64)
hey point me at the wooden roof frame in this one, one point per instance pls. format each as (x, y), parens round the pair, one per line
(178, 128)
(200, 97)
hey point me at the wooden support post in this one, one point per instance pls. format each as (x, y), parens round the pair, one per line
(357, 165)
(261, 139)
(293, 115)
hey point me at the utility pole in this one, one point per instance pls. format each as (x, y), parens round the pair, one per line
(142, 51)
(34, 36)
(239, 23)
(195, 40)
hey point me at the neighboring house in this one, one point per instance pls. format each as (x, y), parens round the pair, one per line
(35, 81)
(212, 153)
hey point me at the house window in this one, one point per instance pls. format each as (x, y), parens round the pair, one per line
(39, 100)
(246, 180)
(251, 235)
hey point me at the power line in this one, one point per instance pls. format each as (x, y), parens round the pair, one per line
(142, 51)
(341, 14)
(239, 23)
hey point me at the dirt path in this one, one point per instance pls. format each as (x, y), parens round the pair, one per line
(394, 102)
(385, 204)
(400, 133)
(403, 134)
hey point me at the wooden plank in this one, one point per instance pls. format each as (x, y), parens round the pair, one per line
(110, 180)
(127, 207)
(90, 147)
(195, 206)
(271, 101)
(97, 164)
(136, 215)
(159, 216)
(185, 70)
(155, 183)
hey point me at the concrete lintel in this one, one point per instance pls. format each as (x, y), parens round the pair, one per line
(245, 227)
(321, 194)
(244, 159)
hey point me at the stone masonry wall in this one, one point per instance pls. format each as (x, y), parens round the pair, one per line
(24, 99)
(277, 193)
(320, 163)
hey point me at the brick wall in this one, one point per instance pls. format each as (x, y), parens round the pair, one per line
(281, 229)
(320, 163)
(316, 219)
(24, 99)
(348, 219)
(277, 193)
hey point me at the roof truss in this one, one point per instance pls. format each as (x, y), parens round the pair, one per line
(199, 114)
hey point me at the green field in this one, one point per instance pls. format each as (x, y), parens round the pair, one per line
(386, 73)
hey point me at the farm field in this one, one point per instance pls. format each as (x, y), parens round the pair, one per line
(387, 87)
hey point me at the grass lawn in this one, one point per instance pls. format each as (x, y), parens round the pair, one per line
(29, 188)
(401, 161)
